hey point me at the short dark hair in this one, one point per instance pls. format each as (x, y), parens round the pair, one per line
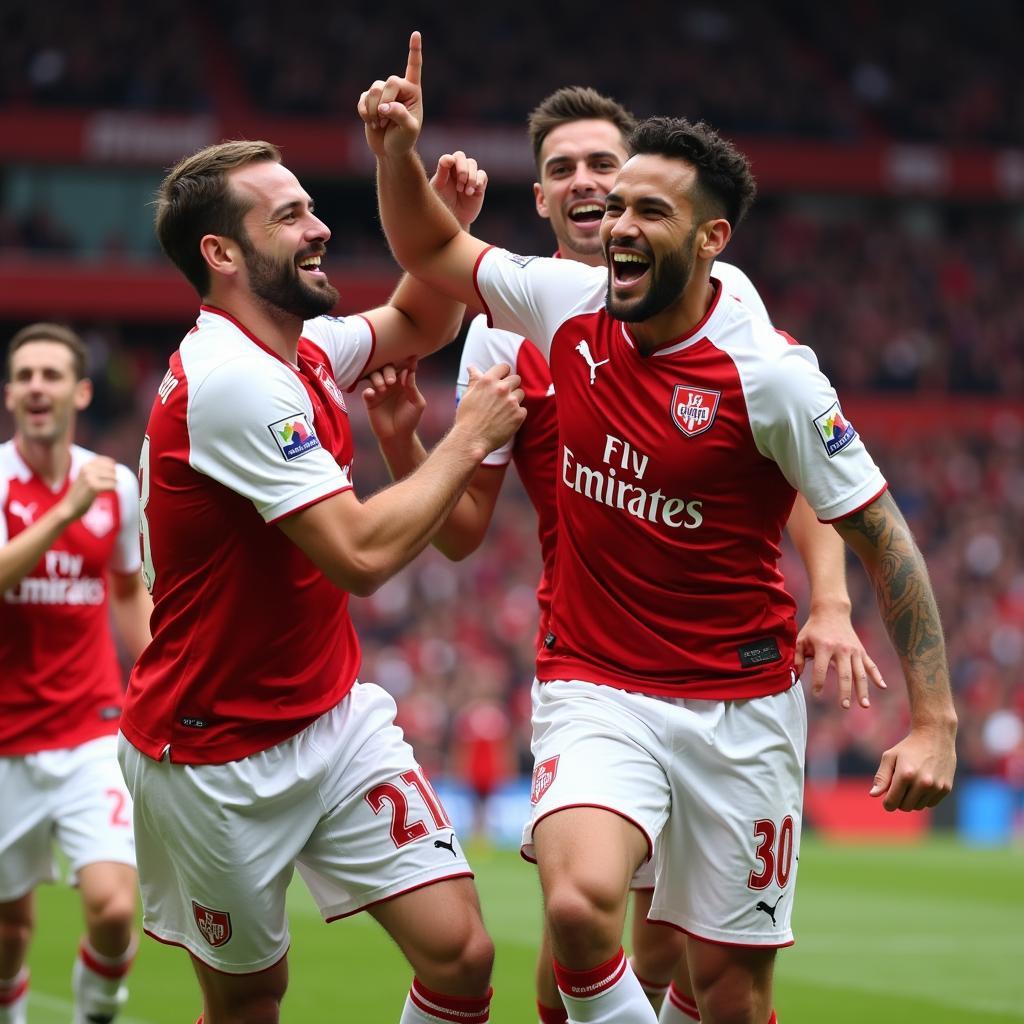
(195, 200)
(725, 184)
(50, 332)
(575, 103)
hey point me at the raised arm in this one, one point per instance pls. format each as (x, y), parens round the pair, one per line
(20, 555)
(425, 238)
(828, 636)
(918, 771)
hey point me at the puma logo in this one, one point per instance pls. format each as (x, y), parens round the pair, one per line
(584, 350)
(449, 846)
(769, 910)
(26, 513)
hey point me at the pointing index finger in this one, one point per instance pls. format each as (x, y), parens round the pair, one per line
(414, 68)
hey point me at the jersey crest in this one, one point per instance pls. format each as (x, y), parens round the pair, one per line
(214, 925)
(693, 409)
(99, 519)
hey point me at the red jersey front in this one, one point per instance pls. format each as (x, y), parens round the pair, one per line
(251, 642)
(62, 683)
(675, 477)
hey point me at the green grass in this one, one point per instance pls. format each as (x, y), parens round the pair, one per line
(927, 934)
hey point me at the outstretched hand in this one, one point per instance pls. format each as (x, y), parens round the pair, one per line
(394, 404)
(392, 110)
(460, 183)
(829, 639)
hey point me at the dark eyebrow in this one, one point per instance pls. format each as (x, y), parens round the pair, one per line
(558, 158)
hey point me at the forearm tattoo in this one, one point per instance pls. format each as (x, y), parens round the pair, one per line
(905, 597)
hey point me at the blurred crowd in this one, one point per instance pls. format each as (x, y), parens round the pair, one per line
(919, 70)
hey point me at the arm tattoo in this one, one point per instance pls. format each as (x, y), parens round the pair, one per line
(880, 535)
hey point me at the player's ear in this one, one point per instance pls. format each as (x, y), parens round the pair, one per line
(541, 200)
(223, 255)
(83, 394)
(712, 237)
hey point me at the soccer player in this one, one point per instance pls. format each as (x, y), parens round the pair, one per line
(247, 742)
(579, 144)
(670, 708)
(69, 556)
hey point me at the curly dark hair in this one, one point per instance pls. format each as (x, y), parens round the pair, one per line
(725, 185)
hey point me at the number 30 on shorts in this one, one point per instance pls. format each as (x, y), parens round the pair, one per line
(774, 851)
(404, 831)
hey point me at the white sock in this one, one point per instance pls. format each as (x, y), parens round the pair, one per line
(422, 1006)
(678, 1008)
(98, 983)
(606, 994)
(14, 998)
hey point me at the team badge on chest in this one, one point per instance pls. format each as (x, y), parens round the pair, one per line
(693, 409)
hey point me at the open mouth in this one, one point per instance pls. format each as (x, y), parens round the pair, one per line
(311, 265)
(588, 213)
(628, 268)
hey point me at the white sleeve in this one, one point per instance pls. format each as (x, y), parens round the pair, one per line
(534, 295)
(251, 429)
(126, 557)
(486, 347)
(738, 286)
(797, 422)
(348, 341)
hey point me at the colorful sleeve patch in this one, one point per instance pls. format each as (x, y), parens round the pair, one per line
(835, 431)
(294, 436)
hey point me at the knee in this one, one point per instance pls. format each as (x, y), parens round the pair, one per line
(461, 962)
(110, 912)
(731, 997)
(580, 915)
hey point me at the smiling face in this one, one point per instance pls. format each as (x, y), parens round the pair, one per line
(285, 241)
(44, 392)
(578, 164)
(650, 236)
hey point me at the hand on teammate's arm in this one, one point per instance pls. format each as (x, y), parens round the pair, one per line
(359, 545)
(918, 771)
(828, 637)
(424, 235)
(19, 556)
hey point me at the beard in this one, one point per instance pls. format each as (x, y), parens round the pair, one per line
(669, 278)
(277, 284)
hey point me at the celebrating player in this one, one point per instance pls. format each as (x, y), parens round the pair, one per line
(579, 144)
(247, 741)
(670, 708)
(69, 556)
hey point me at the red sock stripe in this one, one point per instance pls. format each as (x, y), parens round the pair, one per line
(773, 1019)
(584, 984)
(9, 996)
(112, 971)
(552, 1014)
(200, 1021)
(459, 1009)
(683, 1003)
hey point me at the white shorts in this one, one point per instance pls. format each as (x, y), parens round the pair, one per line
(75, 796)
(715, 786)
(344, 800)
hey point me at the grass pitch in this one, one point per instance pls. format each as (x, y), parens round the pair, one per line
(923, 934)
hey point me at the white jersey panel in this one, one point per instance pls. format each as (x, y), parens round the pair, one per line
(796, 420)
(737, 285)
(534, 295)
(126, 557)
(250, 425)
(486, 347)
(348, 342)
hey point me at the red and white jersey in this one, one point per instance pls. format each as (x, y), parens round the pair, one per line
(534, 447)
(62, 683)
(251, 642)
(675, 477)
